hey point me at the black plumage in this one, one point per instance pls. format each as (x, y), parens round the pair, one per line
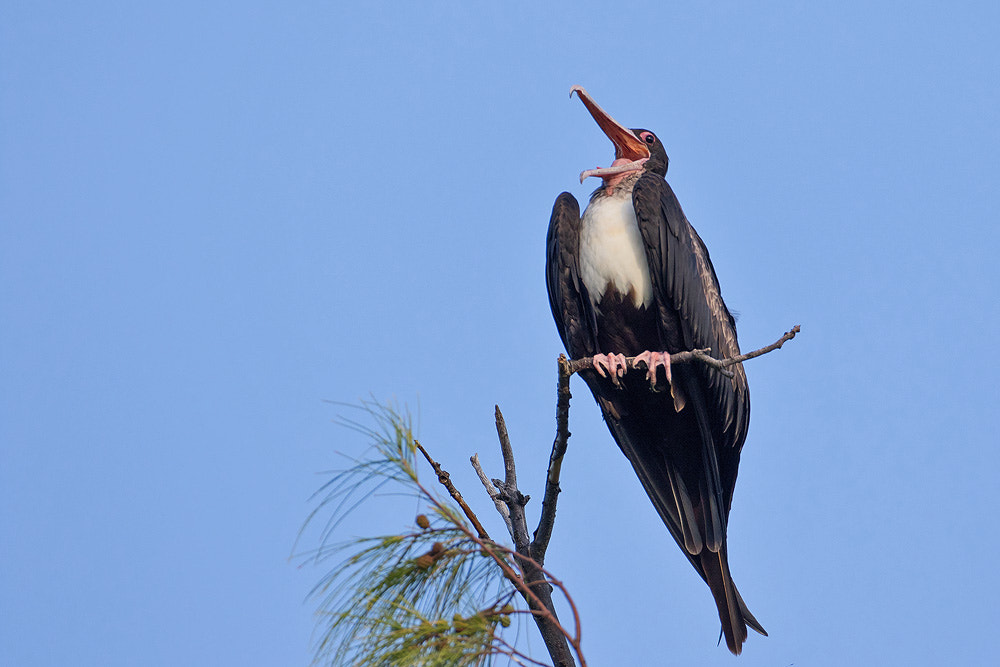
(684, 443)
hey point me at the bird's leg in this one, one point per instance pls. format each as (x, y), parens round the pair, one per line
(651, 360)
(611, 365)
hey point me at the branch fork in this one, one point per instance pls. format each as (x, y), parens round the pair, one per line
(510, 494)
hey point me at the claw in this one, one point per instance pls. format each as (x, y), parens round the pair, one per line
(611, 365)
(651, 360)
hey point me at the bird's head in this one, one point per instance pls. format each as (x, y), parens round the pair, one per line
(636, 151)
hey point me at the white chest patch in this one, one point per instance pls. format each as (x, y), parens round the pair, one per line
(611, 251)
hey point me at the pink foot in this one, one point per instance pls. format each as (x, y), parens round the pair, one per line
(651, 361)
(610, 365)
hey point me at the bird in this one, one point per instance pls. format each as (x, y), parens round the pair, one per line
(632, 278)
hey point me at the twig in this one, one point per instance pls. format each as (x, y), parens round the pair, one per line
(776, 345)
(445, 478)
(493, 493)
(701, 355)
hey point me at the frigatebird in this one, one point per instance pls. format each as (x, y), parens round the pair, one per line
(632, 278)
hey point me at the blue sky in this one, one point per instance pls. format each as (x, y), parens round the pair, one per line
(216, 217)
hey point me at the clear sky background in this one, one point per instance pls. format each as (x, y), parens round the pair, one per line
(214, 217)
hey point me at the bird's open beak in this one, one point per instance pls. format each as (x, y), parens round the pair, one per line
(630, 153)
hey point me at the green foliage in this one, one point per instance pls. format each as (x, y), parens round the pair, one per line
(432, 596)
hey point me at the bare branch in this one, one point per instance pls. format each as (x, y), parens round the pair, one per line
(510, 477)
(776, 345)
(509, 492)
(548, 517)
(493, 493)
(701, 355)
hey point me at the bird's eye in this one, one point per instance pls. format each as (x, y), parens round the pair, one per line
(648, 138)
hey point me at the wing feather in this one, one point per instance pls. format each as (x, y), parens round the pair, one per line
(568, 298)
(687, 291)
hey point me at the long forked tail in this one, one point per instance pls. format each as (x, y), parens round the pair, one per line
(733, 611)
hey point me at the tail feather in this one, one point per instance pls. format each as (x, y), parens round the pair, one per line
(732, 611)
(751, 622)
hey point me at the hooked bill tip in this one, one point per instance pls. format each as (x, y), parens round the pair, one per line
(578, 90)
